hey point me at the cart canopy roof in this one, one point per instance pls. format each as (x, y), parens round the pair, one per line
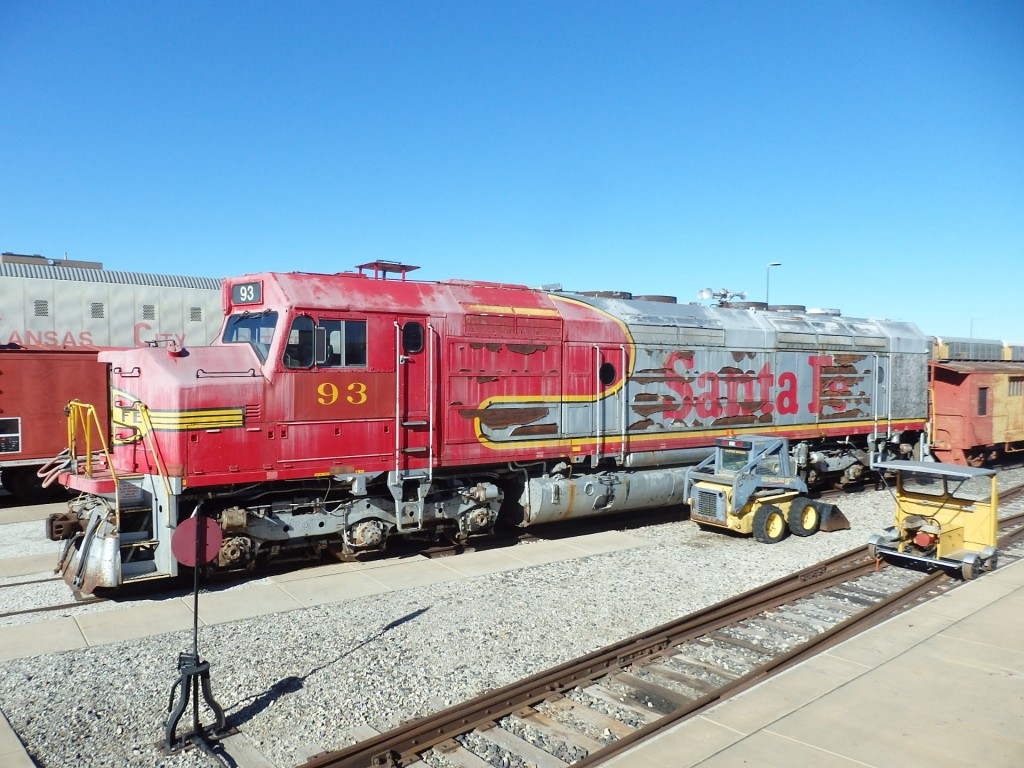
(934, 468)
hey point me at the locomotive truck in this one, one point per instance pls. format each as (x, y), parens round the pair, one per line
(338, 411)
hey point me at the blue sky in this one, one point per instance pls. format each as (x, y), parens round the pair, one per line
(875, 149)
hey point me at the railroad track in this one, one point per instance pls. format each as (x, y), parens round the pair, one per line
(583, 712)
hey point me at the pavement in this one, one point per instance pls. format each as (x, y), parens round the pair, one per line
(940, 685)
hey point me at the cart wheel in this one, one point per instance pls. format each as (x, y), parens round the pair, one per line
(804, 517)
(991, 562)
(769, 524)
(970, 567)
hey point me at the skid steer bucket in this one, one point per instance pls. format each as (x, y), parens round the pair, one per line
(832, 518)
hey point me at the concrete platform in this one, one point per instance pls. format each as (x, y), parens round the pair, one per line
(25, 514)
(940, 685)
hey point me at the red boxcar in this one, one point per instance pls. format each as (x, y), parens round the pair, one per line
(34, 386)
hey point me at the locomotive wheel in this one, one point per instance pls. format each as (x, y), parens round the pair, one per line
(804, 517)
(769, 524)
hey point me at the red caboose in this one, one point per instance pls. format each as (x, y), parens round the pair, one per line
(978, 410)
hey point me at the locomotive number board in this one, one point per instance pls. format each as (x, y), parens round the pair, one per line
(247, 293)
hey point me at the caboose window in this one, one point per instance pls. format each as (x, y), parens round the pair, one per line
(1016, 386)
(346, 343)
(982, 401)
(255, 328)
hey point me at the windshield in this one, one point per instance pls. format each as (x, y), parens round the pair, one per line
(733, 460)
(256, 329)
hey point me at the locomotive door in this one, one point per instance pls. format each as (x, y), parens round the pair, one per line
(881, 405)
(611, 368)
(414, 401)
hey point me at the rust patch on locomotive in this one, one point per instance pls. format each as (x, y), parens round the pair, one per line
(527, 349)
(536, 430)
(856, 413)
(656, 404)
(641, 426)
(502, 418)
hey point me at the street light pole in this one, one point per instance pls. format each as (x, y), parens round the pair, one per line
(767, 278)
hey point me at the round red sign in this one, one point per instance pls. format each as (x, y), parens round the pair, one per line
(183, 541)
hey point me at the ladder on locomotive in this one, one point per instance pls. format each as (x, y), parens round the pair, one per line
(415, 426)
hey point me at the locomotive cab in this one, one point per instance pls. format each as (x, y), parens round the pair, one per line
(310, 427)
(945, 517)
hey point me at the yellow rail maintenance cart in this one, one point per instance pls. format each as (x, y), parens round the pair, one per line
(945, 517)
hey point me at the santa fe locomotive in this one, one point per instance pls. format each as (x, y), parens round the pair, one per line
(55, 314)
(337, 411)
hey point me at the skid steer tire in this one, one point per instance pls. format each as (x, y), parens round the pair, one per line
(804, 517)
(769, 524)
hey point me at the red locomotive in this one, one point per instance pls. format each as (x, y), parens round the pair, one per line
(337, 411)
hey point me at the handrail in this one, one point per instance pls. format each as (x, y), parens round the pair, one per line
(85, 415)
(432, 401)
(598, 410)
(148, 436)
(624, 392)
(79, 413)
(398, 402)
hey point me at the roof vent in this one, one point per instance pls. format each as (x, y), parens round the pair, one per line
(657, 299)
(381, 269)
(787, 308)
(820, 311)
(607, 294)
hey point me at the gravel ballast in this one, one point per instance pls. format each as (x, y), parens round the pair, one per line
(296, 683)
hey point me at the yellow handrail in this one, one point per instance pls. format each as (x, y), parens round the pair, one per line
(84, 415)
(148, 436)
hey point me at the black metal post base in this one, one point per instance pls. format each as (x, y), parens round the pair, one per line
(193, 675)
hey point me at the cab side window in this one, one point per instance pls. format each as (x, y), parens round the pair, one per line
(346, 343)
(412, 337)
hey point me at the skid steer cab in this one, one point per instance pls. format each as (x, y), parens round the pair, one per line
(749, 485)
(945, 517)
